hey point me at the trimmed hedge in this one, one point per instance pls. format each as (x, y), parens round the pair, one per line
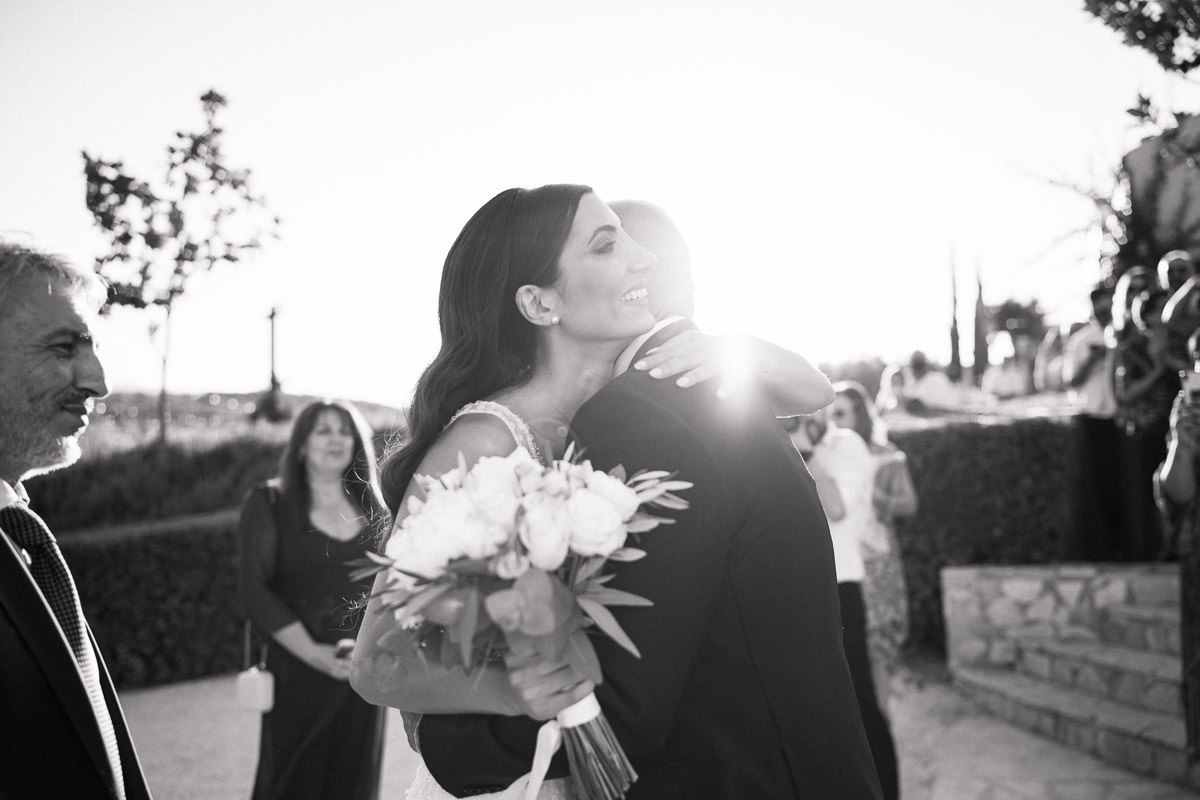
(150, 482)
(161, 598)
(990, 493)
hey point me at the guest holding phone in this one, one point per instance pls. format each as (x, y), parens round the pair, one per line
(297, 533)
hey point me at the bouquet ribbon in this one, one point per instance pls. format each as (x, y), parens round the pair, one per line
(549, 740)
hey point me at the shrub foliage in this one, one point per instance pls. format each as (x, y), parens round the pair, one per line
(989, 494)
(152, 483)
(162, 596)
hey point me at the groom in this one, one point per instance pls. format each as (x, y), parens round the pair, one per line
(742, 690)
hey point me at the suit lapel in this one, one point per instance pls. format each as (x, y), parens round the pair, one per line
(23, 601)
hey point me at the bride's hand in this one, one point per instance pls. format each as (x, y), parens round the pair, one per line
(693, 357)
(544, 688)
(793, 385)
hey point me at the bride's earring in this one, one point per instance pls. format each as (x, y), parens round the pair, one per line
(554, 320)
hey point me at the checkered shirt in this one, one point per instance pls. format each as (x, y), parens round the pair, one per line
(50, 572)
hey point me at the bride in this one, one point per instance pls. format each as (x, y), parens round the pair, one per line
(540, 293)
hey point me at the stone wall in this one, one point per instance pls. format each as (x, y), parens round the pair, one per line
(987, 607)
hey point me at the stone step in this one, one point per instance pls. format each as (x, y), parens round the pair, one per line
(1145, 742)
(1138, 678)
(1142, 627)
(1159, 587)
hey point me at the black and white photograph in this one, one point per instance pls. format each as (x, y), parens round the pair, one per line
(547, 400)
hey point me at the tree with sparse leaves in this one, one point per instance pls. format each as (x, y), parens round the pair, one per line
(1168, 29)
(202, 213)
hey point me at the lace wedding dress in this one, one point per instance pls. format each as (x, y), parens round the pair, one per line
(424, 787)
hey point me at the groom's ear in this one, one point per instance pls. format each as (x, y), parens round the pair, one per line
(538, 304)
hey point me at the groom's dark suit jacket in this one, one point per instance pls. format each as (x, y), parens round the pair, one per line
(742, 690)
(50, 743)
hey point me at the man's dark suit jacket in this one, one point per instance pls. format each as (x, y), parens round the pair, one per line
(742, 690)
(50, 743)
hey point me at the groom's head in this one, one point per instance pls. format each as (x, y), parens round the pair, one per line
(670, 281)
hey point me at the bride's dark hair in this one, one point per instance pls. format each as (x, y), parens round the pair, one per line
(515, 239)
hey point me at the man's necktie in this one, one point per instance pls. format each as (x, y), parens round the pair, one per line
(54, 579)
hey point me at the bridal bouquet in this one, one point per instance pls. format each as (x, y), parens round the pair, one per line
(509, 554)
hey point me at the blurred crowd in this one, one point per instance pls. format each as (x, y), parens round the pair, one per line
(1122, 371)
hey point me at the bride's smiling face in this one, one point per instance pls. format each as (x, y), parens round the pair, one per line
(601, 288)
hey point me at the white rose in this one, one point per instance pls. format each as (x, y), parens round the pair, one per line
(596, 527)
(545, 530)
(614, 491)
(460, 527)
(556, 483)
(492, 485)
(520, 456)
(408, 555)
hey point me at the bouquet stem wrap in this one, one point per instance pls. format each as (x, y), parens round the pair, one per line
(599, 768)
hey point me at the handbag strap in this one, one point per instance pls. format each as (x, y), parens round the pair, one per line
(247, 637)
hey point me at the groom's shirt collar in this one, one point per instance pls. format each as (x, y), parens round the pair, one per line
(627, 355)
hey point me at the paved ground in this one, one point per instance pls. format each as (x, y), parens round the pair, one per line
(196, 745)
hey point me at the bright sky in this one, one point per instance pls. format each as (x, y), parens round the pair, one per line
(823, 159)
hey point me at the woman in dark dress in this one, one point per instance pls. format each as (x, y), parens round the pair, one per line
(297, 533)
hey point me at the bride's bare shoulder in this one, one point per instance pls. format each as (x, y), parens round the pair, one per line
(474, 436)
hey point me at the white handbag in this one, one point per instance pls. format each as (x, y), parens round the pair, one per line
(255, 683)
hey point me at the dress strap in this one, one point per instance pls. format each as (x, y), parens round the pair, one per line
(516, 426)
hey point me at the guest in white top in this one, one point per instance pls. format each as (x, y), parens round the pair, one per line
(1097, 494)
(1088, 361)
(927, 390)
(844, 471)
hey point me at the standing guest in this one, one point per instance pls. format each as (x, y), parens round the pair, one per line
(62, 731)
(844, 473)
(1047, 363)
(297, 532)
(926, 390)
(1096, 498)
(893, 498)
(891, 386)
(1145, 382)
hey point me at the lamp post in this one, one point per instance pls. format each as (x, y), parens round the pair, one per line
(272, 407)
(274, 379)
